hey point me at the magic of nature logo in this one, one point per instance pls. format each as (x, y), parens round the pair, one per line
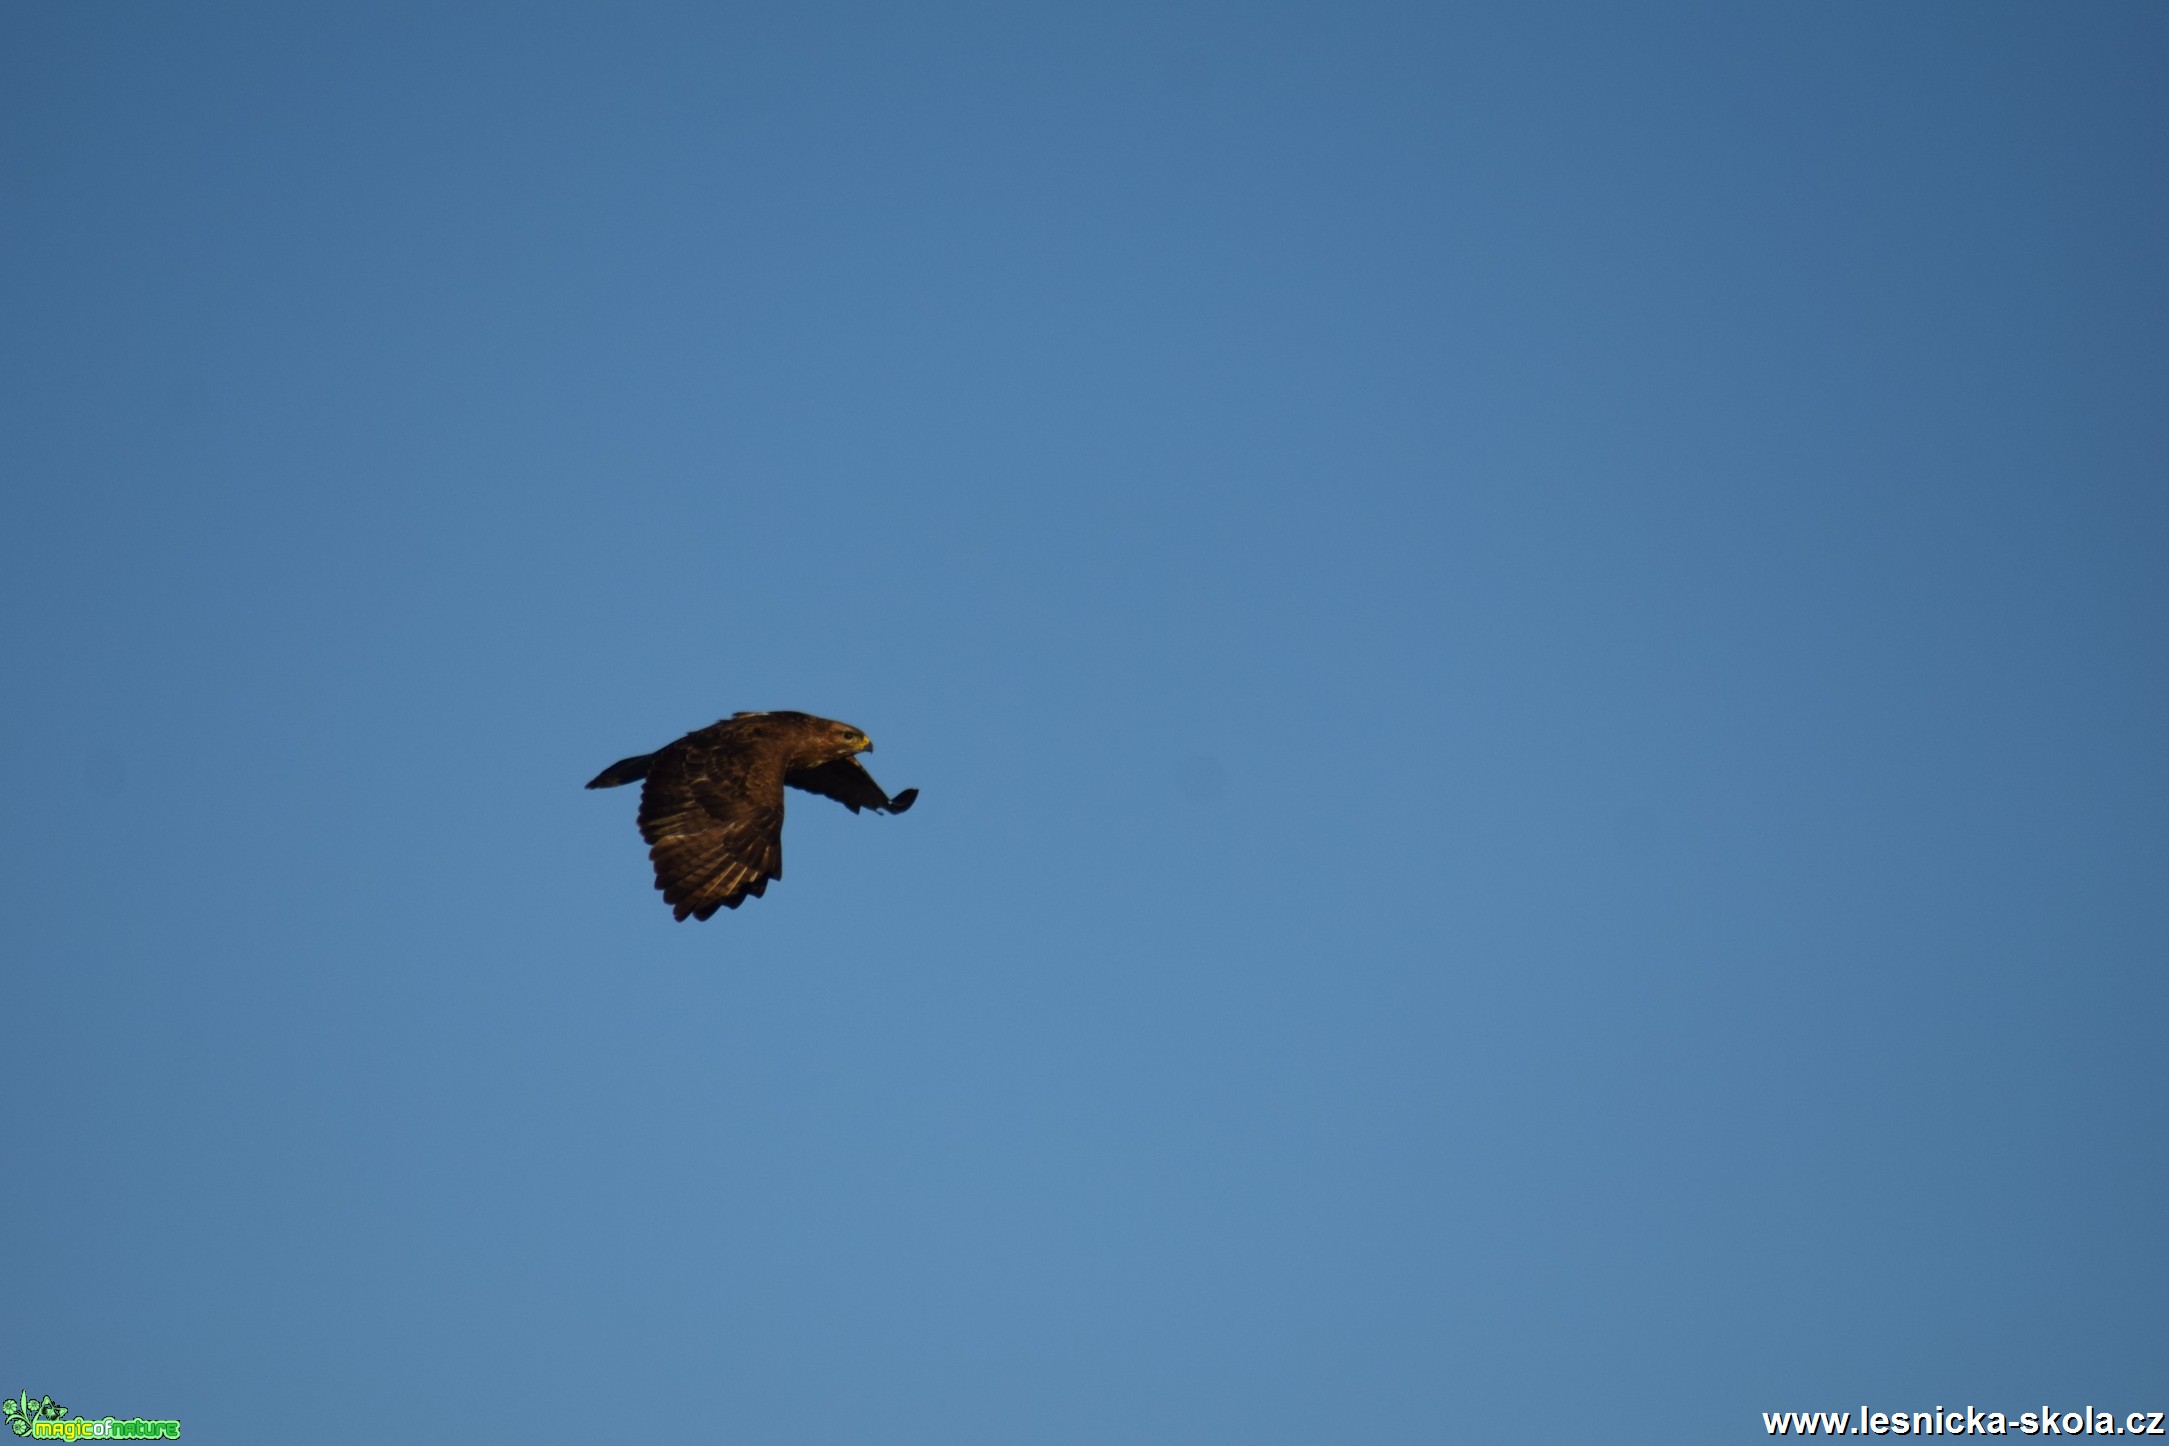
(46, 1419)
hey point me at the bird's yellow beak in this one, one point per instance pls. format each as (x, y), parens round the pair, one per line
(867, 746)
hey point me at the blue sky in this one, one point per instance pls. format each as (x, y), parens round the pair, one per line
(1533, 638)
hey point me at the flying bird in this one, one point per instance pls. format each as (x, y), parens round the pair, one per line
(712, 807)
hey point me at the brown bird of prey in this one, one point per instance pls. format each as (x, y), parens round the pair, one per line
(712, 809)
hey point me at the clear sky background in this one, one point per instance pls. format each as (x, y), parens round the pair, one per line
(1534, 638)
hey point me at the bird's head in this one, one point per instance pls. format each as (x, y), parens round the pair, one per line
(849, 740)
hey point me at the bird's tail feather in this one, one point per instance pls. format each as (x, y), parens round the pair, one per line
(625, 770)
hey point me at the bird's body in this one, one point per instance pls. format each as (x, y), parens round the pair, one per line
(712, 806)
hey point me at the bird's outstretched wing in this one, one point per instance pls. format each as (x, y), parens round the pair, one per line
(715, 834)
(850, 785)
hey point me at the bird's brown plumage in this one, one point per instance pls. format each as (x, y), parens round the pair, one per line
(712, 807)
